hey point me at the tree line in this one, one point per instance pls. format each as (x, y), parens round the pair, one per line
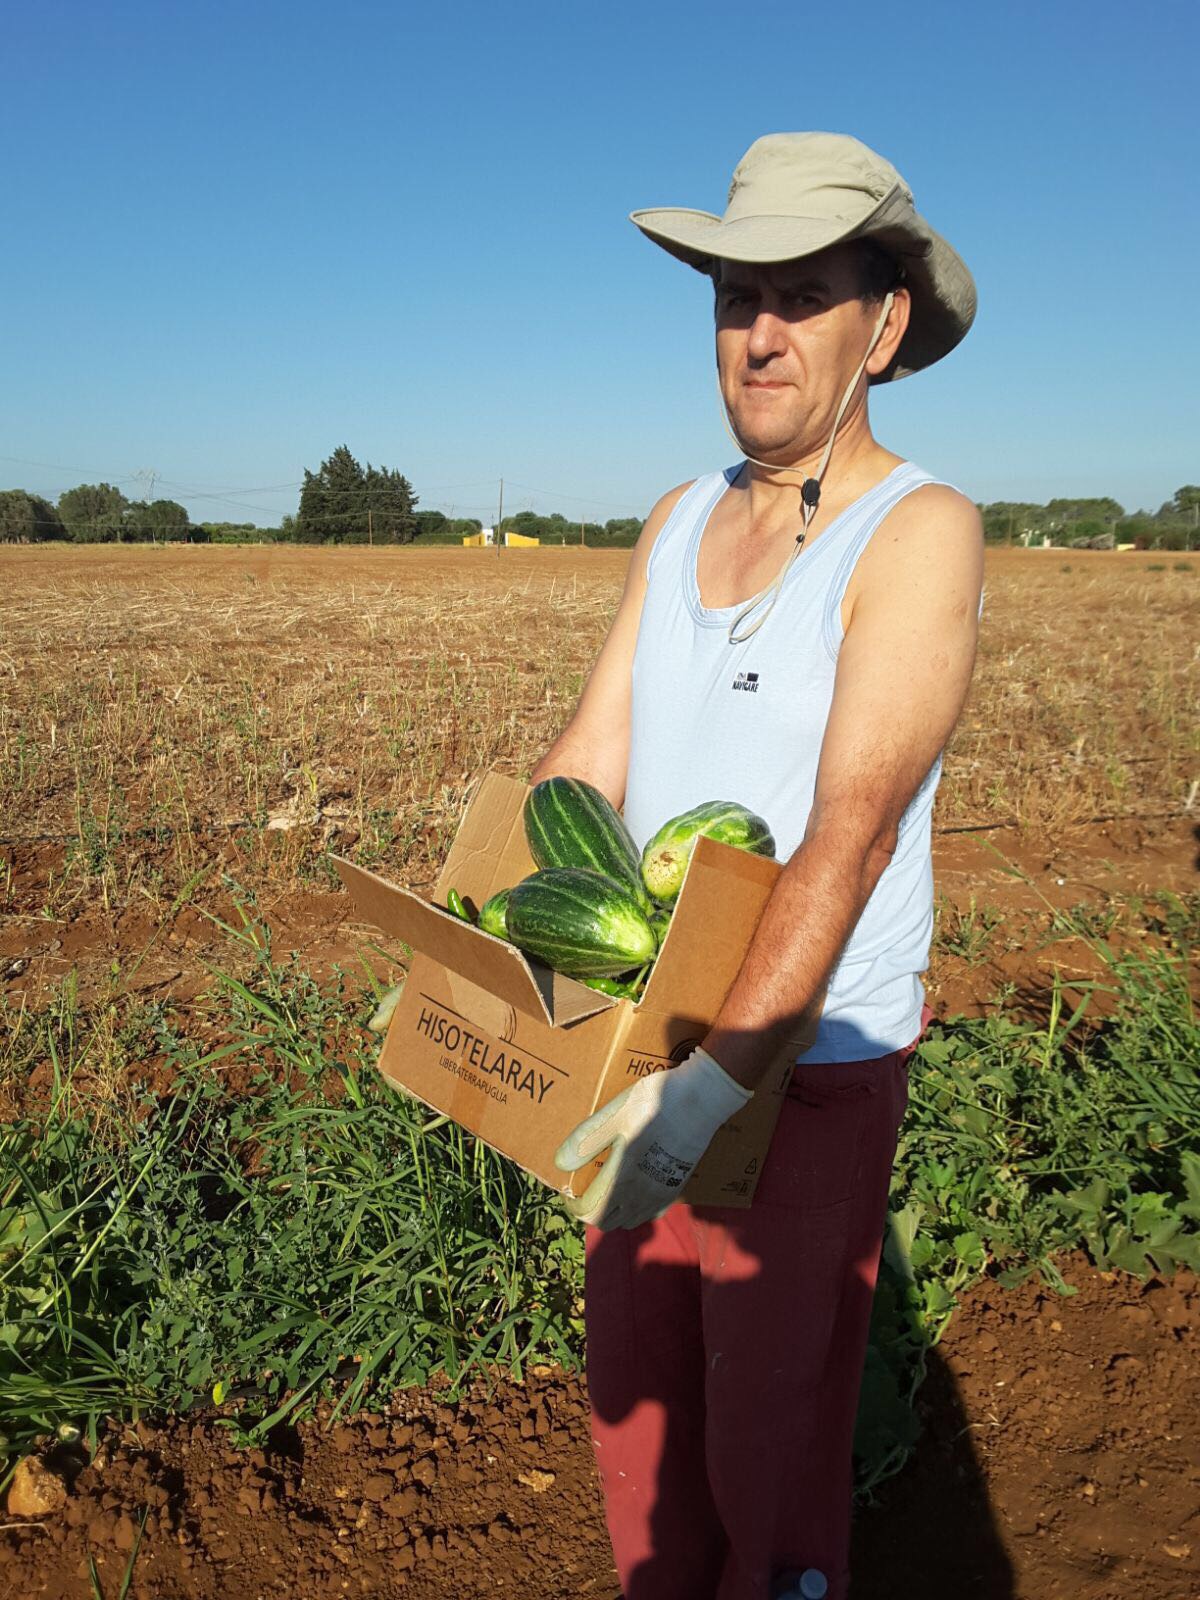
(1097, 523)
(92, 513)
(345, 502)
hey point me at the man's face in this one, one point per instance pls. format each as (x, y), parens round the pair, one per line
(789, 337)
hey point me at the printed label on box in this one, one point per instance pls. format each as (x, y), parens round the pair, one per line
(489, 1065)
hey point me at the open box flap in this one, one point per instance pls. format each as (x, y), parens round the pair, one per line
(489, 852)
(491, 963)
(724, 894)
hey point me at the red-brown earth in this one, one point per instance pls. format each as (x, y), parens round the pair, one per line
(1060, 1457)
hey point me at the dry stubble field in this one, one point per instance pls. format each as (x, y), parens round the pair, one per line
(167, 714)
(172, 720)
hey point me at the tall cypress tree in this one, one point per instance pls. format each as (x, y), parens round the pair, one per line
(393, 504)
(343, 503)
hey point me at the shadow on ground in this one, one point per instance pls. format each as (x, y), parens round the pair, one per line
(931, 1531)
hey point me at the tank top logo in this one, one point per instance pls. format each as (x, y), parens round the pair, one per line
(747, 681)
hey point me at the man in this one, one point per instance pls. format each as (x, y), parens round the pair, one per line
(798, 634)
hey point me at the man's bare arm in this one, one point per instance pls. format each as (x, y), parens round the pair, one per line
(902, 678)
(595, 743)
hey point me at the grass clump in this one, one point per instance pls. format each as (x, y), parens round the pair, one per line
(1027, 1138)
(314, 1225)
(308, 1230)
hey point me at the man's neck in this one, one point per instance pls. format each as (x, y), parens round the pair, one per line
(857, 462)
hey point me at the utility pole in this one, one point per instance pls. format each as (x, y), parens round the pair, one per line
(500, 513)
(370, 528)
(582, 540)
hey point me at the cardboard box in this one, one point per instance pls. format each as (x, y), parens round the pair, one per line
(520, 1055)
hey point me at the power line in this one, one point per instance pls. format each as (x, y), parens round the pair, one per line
(230, 496)
(580, 499)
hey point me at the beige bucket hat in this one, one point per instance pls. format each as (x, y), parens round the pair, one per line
(796, 193)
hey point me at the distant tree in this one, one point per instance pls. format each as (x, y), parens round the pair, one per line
(1186, 502)
(435, 527)
(345, 503)
(1063, 514)
(27, 518)
(93, 512)
(331, 500)
(1178, 520)
(622, 530)
(237, 532)
(528, 524)
(1138, 525)
(431, 525)
(156, 521)
(392, 505)
(557, 529)
(1013, 521)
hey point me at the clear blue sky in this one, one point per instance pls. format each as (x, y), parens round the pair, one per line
(242, 234)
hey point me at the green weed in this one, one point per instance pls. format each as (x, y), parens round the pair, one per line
(316, 1227)
(967, 934)
(1023, 1140)
(313, 1232)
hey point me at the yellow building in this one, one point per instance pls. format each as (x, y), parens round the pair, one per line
(488, 537)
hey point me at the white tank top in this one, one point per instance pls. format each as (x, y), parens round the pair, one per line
(744, 722)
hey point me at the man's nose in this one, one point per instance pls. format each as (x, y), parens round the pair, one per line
(767, 335)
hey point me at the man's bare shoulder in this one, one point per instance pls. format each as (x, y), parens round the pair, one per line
(928, 544)
(932, 523)
(936, 507)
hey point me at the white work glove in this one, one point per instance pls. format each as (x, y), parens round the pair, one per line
(383, 1012)
(658, 1129)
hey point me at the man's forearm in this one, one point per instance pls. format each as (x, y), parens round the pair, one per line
(780, 987)
(571, 757)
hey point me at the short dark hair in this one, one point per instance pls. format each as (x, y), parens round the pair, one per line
(878, 272)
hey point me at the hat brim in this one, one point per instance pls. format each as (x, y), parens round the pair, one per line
(941, 287)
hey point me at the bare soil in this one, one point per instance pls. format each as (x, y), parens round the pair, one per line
(1060, 1458)
(169, 717)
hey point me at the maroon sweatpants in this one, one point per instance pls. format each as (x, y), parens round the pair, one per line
(725, 1352)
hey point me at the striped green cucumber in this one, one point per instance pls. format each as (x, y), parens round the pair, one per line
(580, 923)
(568, 823)
(665, 858)
(493, 912)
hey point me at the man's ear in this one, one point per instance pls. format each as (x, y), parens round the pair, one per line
(894, 330)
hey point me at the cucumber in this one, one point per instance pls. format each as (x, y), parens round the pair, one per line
(623, 988)
(492, 914)
(580, 923)
(454, 903)
(568, 823)
(665, 858)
